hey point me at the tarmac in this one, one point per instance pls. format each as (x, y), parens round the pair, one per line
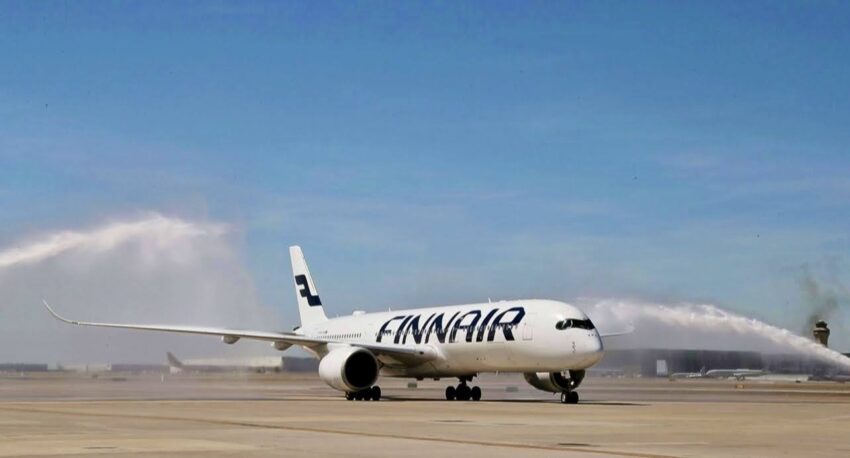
(253, 415)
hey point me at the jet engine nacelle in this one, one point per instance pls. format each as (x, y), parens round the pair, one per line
(349, 369)
(554, 382)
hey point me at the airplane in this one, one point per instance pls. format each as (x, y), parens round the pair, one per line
(739, 374)
(256, 364)
(551, 343)
(699, 374)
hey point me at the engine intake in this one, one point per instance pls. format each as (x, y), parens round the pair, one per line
(554, 382)
(349, 369)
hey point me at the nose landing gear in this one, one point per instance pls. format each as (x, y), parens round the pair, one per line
(569, 397)
(463, 392)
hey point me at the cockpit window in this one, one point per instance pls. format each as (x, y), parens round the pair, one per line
(574, 323)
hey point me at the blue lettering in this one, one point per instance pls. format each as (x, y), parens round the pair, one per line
(383, 329)
(506, 326)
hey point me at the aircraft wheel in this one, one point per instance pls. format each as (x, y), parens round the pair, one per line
(572, 397)
(565, 398)
(349, 396)
(463, 393)
(450, 393)
(475, 393)
(376, 393)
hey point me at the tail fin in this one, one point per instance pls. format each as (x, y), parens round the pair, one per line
(173, 361)
(309, 304)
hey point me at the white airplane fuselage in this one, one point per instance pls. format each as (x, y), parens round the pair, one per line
(504, 336)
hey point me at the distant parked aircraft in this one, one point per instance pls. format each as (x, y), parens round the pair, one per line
(699, 374)
(257, 364)
(739, 374)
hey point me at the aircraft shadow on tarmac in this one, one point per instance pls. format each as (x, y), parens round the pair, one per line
(518, 401)
(384, 398)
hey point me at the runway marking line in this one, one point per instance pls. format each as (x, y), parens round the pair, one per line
(346, 433)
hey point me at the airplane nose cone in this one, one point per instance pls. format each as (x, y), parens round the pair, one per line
(595, 349)
(599, 347)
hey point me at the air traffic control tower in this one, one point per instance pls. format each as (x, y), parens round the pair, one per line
(821, 333)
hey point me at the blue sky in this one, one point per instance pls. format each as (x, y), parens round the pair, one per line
(447, 152)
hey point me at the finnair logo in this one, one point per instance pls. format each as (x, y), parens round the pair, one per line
(304, 291)
(467, 326)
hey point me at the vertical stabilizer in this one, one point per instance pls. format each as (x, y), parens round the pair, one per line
(173, 362)
(309, 303)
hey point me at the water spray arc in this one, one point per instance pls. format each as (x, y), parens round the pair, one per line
(159, 229)
(151, 266)
(707, 322)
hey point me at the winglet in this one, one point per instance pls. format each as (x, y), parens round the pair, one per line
(56, 315)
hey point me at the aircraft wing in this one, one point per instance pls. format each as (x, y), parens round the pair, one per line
(412, 354)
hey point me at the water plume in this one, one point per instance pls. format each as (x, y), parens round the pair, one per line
(700, 326)
(163, 232)
(149, 269)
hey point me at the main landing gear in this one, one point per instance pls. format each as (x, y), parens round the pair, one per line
(368, 394)
(463, 392)
(569, 397)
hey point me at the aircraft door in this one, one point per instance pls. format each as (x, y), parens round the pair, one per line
(528, 327)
